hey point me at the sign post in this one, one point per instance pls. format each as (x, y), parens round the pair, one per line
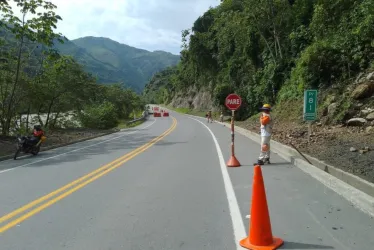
(233, 102)
(310, 108)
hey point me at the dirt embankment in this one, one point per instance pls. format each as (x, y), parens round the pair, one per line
(343, 147)
(194, 99)
(343, 135)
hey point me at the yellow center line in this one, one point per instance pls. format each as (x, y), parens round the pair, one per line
(105, 169)
(43, 198)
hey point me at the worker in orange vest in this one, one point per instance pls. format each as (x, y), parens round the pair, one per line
(266, 122)
(209, 116)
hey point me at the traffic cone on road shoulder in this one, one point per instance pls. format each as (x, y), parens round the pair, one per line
(260, 234)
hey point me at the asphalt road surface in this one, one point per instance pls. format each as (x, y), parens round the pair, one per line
(164, 185)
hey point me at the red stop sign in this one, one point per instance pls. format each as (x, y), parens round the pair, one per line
(233, 101)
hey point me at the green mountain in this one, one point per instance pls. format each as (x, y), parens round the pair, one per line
(108, 60)
(113, 62)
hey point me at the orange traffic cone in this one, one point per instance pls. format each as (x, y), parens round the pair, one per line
(260, 235)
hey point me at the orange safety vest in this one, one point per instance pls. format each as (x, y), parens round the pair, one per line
(266, 124)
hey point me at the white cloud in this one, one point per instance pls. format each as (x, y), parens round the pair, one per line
(147, 24)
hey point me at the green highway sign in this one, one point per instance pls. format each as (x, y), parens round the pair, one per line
(309, 118)
(310, 105)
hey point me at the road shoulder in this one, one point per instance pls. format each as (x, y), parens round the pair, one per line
(357, 191)
(304, 213)
(72, 138)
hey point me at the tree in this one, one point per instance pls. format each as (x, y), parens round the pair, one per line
(271, 50)
(102, 116)
(36, 79)
(38, 28)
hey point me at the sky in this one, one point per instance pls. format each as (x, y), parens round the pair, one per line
(146, 24)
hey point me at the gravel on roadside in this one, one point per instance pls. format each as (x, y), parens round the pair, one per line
(55, 137)
(350, 149)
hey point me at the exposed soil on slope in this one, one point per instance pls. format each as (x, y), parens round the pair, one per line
(332, 144)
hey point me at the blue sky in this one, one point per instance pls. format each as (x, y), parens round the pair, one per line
(146, 24)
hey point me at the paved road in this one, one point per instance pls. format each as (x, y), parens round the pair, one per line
(171, 193)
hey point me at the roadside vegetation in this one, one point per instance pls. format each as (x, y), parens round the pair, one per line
(270, 51)
(38, 85)
(127, 123)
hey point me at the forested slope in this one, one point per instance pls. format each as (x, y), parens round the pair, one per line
(112, 61)
(107, 60)
(270, 51)
(37, 79)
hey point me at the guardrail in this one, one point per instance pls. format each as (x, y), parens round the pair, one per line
(143, 118)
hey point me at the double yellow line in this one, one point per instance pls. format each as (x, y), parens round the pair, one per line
(78, 184)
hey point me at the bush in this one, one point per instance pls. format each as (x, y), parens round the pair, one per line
(220, 93)
(319, 64)
(103, 116)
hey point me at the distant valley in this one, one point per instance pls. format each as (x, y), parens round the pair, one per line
(108, 60)
(112, 62)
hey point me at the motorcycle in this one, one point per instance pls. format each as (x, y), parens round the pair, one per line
(25, 145)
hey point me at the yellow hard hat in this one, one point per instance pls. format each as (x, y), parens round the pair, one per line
(266, 107)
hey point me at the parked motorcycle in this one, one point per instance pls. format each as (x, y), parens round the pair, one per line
(27, 146)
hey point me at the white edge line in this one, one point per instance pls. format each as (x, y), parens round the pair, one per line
(236, 217)
(94, 144)
(360, 199)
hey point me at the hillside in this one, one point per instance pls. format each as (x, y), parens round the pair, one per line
(270, 52)
(110, 61)
(40, 86)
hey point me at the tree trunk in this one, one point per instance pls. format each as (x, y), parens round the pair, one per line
(3, 130)
(279, 47)
(27, 117)
(55, 119)
(49, 112)
(20, 120)
(8, 121)
(9, 113)
(40, 120)
(263, 37)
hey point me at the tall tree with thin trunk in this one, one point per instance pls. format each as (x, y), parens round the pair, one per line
(35, 25)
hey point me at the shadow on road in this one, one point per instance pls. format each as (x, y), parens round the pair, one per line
(125, 145)
(296, 245)
(165, 143)
(273, 164)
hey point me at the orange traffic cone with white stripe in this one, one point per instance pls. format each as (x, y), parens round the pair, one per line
(260, 234)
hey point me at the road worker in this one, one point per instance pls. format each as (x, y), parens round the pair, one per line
(210, 116)
(266, 122)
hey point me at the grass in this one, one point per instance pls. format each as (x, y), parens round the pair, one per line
(285, 111)
(182, 110)
(124, 122)
(188, 111)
